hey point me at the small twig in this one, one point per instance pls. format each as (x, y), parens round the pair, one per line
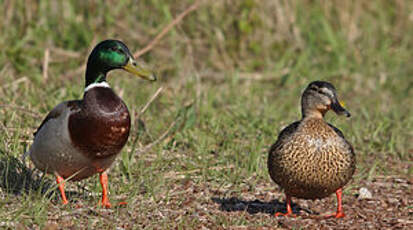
(46, 64)
(253, 76)
(163, 136)
(152, 43)
(78, 71)
(66, 53)
(167, 29)
(154, 96)
(15, 83)
(177, 174)
(6, 130)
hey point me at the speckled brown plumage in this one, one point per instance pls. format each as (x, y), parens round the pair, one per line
(311, 159)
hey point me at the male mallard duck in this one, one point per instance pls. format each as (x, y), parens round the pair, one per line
(80, 138)
(311, 158)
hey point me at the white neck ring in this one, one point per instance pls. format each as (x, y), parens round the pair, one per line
(99, 84)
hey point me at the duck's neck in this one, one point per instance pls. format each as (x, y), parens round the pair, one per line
(312, 114)
(94, 75)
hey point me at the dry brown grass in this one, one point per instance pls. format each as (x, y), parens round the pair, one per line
(231, 73)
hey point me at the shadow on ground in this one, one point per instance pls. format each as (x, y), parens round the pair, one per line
(17, 179)
(235, 204)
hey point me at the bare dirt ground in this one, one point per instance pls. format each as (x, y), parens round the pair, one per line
(389, 208)
(249, 205)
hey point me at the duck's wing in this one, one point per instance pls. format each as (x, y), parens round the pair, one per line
(336, 130)
(285, 134)
(58, 111)
(339, 133)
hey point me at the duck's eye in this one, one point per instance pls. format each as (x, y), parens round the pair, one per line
(314, 88)
(115, 49)
(321, 91)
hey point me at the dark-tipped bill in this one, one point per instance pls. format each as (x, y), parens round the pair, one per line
(139, 70)
(338, 109)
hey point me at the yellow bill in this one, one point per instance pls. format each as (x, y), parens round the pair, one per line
(139, 70)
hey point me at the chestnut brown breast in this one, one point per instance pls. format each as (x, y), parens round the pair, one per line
(101, 128)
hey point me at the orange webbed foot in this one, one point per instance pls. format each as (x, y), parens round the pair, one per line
(335, 215)
(122, 204)
(289, 212)
(339, 213)
(106, 204)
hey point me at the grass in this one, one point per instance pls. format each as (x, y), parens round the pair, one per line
(232, 73)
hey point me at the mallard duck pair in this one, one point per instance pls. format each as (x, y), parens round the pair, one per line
(82, 138)
(311, 159)
(78, 139)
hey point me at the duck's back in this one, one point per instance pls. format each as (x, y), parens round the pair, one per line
(311, 159)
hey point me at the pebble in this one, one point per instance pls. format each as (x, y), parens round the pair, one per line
(364, 193)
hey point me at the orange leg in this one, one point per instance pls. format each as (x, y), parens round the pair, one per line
(61, 182)
(339, 213)
(289, 209)
(104, 182)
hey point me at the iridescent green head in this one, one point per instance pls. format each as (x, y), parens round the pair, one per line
(109, 55)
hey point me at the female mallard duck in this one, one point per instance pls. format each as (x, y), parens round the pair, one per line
(311, 158)
(80, 138)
